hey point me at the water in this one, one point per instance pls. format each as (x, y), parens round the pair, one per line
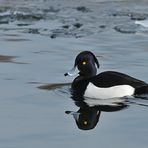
(38, 44)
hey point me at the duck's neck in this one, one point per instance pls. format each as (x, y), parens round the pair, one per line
(88, 75)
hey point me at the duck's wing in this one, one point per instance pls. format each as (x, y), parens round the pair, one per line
(111, 78)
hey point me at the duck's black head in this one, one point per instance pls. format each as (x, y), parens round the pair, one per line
(87, 64)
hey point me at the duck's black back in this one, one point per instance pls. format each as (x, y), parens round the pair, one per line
(111, 78)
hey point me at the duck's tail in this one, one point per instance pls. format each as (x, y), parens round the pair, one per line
(141, 90)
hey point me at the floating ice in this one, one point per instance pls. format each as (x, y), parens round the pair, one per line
(143, 23)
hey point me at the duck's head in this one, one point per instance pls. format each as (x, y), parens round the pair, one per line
(87, 64)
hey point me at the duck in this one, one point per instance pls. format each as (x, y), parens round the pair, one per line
(105, 85)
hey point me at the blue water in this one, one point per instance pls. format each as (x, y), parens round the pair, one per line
(41, 50)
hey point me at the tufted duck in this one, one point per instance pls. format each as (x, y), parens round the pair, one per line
(108, 84)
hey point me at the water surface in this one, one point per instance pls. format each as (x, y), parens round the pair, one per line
(38, 44)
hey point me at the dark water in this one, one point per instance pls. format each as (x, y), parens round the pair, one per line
(38, 43)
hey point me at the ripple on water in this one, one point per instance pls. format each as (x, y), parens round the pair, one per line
(74, 21)
(5, 58)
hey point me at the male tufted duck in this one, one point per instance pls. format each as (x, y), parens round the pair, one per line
(108, 84)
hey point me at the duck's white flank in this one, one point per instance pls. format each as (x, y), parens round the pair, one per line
(110, 92)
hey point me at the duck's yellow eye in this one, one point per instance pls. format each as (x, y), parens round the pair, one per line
(84, 63)
(85, 122)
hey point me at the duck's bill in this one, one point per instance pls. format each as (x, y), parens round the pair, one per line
(75, 114)
(71, 72)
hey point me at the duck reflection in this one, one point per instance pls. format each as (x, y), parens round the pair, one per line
(90, 109)
(86, 118)
(88, 115)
